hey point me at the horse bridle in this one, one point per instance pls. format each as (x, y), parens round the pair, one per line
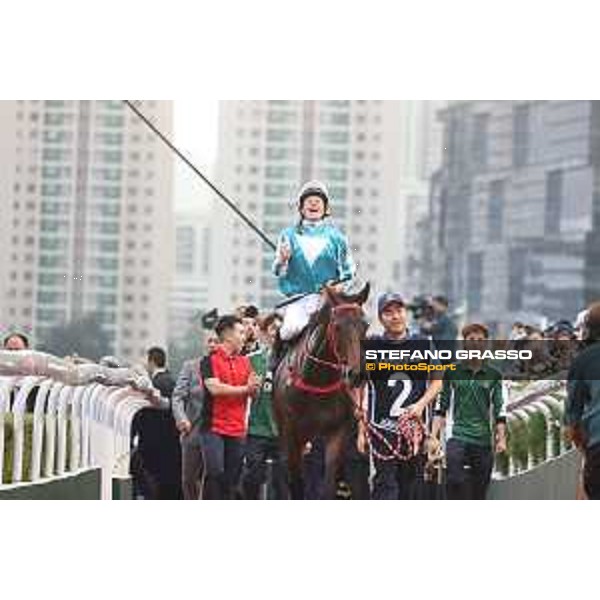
(331, 342)
(410, 431)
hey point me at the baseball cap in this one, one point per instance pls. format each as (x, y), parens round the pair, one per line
(563, 325)
(387, 299)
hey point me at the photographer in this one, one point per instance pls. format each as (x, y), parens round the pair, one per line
(436, 322)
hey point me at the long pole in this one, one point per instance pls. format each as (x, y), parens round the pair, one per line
(184, 158)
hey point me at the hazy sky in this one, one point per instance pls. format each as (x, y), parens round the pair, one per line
(196, 131)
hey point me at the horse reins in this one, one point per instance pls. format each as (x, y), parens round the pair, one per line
(331, 342)
(410, 435)
(410, 432)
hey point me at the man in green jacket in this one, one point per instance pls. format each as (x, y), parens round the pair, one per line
(473, 397)
(262, 442)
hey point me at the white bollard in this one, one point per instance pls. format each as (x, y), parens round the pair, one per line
(524, 417)
(51, 429)
(103, 451)
(76, 401)
(87, 409)
(549, 418)
(39, 412)
(98, 402)
(124, 414)
(5, 387)
(61, 412)
(26, 385)
(512, 469)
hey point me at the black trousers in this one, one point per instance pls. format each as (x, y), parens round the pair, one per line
(156, 462)
(469, 470)
(258, 451)
(591, 472)
(355, 471)
(396, 479)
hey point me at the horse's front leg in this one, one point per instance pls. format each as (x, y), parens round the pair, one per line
(334, 454)
(295, 449)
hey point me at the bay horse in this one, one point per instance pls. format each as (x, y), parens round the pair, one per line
(314, 382)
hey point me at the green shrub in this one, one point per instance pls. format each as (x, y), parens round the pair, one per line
(518, 443)
(7, 474)
(536, 433)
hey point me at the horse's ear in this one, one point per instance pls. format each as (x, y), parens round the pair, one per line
(363, 295)
(360, 297)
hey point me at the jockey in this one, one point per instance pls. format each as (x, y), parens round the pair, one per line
(309, 255)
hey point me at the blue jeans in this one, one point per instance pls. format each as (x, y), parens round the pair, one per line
(223, 456)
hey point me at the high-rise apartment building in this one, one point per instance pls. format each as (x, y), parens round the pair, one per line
(516, 209)
(420, 156)
(86, 196)
(189, 292)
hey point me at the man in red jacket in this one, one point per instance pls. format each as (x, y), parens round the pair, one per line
(230, 382)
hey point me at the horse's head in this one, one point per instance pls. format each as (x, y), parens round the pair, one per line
(345, 326)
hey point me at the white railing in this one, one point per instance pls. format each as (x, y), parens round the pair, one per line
(539, 398)
(81, 416)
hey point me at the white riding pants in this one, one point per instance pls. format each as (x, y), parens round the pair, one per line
(297, 315)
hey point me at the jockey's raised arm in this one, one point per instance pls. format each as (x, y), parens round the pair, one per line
(283, 253)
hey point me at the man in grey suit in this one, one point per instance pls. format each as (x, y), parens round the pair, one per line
(187, 402)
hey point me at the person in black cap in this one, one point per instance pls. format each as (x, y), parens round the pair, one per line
(389, 398)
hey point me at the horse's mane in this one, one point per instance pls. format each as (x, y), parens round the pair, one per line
(317, 317)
